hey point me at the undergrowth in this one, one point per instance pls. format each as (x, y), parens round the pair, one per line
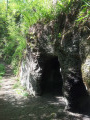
(2, 70)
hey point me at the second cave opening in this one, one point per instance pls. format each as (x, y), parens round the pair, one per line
(51, 81)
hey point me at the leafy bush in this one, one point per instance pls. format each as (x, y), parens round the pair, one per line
(84, 13)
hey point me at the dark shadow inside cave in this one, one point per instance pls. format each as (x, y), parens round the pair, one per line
(51, 81)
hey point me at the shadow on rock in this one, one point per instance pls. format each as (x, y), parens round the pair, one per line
(81, 106)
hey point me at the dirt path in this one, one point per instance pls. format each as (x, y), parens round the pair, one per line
(14, 106)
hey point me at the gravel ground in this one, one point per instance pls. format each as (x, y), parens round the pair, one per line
(14, 106)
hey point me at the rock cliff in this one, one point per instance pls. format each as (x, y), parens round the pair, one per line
(58, 57)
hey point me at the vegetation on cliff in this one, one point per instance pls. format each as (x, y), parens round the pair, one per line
(16, 16)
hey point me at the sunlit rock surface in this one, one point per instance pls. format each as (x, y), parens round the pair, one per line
(85, 58)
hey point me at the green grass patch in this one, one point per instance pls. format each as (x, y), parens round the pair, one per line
(25, 94)
(16, 85)
(0, 77)
(20, 90)
(2, 70)
(0, 86)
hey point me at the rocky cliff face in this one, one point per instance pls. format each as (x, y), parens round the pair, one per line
(85, 54)
(58, 57)
(40, 49)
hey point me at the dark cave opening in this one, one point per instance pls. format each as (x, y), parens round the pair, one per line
(51, 81)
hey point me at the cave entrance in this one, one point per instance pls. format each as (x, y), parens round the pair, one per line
(51, 77)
